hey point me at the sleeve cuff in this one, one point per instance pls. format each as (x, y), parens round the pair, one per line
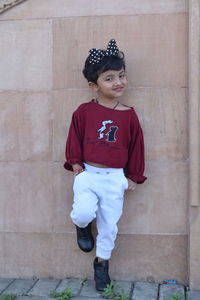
(68, 166)
(137, 178)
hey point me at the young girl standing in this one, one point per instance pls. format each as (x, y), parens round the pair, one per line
(105, 150)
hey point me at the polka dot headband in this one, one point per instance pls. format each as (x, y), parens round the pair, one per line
(96, 55)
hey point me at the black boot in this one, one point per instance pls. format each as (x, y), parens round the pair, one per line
(101, 275)
(84, 238)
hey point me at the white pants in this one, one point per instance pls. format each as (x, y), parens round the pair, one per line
(99, 193)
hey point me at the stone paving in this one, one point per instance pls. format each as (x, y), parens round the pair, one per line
(39, 289)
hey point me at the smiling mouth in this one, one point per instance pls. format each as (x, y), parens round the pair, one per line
(119, 89)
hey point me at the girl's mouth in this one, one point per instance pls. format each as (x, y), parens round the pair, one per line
(119, 89)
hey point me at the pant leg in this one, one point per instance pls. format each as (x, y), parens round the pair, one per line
(110, 208)
(85, 200)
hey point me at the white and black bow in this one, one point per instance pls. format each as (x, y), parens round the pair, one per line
(96, 55)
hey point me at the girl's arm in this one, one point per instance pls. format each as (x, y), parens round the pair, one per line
(73, 151)
(135, 166)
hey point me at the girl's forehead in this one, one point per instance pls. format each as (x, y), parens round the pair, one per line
(109, 72)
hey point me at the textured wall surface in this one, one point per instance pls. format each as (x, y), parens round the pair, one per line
(194, 144)
(42, 49)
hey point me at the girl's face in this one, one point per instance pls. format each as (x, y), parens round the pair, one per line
(111, 84)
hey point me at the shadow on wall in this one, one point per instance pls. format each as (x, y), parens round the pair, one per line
(7, 4)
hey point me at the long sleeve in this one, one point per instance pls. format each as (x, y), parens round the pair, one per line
(73, 151)
(135, 166)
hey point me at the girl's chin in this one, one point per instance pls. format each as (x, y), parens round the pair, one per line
(112, 96)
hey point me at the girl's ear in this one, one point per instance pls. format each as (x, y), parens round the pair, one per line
(93, 85)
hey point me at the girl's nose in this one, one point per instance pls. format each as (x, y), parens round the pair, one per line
(117, 81)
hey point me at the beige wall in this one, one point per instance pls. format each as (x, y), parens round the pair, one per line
(42, 49)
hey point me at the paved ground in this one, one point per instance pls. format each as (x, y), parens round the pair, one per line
(39, 289)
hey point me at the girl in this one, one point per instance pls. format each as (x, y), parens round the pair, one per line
(105, 150)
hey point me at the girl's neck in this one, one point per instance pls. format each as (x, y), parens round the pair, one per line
(107, 101)
(111, 103)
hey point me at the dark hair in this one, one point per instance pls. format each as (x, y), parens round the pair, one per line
(111, 62)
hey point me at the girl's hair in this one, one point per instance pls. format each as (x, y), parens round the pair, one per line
(108, 62)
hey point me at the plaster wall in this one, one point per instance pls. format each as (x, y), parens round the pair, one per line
(42, 49)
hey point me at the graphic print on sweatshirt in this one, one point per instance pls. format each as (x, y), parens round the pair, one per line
(108, 131)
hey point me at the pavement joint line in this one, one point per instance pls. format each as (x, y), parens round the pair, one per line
(58, 284)
(8, 285)
(81, 284)
(132, 289)
(158, 295)
(26, 294)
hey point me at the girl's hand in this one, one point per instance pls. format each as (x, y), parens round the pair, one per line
(131, 185)
(77, 169)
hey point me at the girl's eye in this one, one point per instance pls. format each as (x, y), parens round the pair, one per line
(122, 76)
(108, 78)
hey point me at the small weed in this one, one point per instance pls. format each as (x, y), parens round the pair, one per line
(9, 297)
(54, 294)
(66, 294)
(109, 293)
(84, 282)
(177, 297)
(122, 296)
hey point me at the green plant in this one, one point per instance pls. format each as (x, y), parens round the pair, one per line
(109, 293)
(66, 294)
(177, 297)
(84, 282)
(9, 297)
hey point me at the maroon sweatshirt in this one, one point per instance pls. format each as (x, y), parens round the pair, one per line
(106, 136)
